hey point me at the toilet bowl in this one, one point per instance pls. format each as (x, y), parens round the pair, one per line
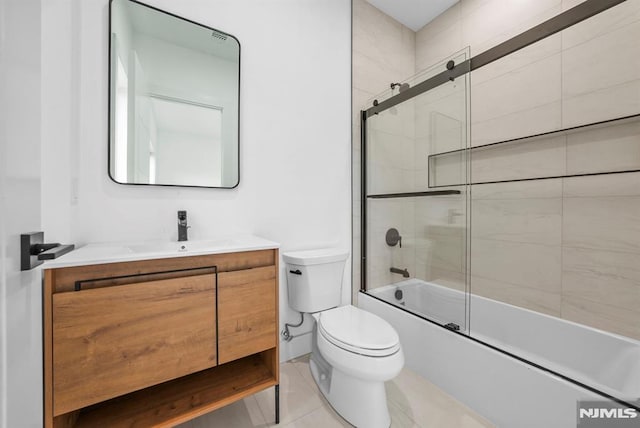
(354, 351)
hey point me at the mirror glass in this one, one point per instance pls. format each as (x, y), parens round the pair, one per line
(174, 100)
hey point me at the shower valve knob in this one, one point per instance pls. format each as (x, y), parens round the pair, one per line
(393, 237)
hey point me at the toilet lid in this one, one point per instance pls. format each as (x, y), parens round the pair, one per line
(358, 331)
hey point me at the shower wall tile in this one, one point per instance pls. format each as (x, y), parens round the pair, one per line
(627, 184)
(382, 215)
(471, 6)
(603, 104)
(592, 90)
(398, 122)
(439, 47)
(513, 102)
(495, 20)
(602, 62)
(601, 315)
(434, 210)
(447, 108)
(383, 52)
(374, 74)
(517, 95)
(448, 170)
(536, 120)
(443, 252)
(613, 148)
(518, 160)
(391, 163)
(359, 102)
(439, 39)
(449, 18)
(533, 85)
(568, 4)
(602, 276)
(534, 221)
(447, 278)
(388, 45)
(524, 57)
(382, 179)
(602, 223)
(601, 24)
(421, 176)
(518, 190)
(440, 240)
(535, 299)
(453, 228)
(521, 264)
(393, 151)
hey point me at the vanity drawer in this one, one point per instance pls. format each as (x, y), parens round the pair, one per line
(114, 340)
(247, 311)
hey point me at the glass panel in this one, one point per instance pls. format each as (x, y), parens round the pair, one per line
(554, 261)
(416, 241)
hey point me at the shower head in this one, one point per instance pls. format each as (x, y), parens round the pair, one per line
(403, 86)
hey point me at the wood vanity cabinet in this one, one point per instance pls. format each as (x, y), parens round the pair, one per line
(158, 342)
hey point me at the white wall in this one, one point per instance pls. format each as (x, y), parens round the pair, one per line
(294, 138)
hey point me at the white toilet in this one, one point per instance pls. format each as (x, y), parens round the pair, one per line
(354, 351)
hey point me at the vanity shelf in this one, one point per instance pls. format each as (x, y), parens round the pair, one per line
(455, 155)
(180, 400)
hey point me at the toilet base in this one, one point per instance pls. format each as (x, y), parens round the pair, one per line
(361, 403)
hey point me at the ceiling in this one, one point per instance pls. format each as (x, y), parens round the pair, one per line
(414, 14)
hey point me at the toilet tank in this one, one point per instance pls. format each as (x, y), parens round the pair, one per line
(314, 278)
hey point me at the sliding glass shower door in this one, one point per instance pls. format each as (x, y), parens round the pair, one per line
(415, 206)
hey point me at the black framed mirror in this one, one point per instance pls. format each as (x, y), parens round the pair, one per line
(174, 100)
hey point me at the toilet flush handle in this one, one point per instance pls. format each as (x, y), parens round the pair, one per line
(296, 272)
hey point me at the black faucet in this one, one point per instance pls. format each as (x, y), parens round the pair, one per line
(182, 226)
(403, 272)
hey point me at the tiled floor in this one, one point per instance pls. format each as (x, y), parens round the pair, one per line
(413, 402)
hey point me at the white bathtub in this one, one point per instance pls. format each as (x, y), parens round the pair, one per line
(442, 304)
(601, 360)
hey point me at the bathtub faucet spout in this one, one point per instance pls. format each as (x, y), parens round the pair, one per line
(403, 272)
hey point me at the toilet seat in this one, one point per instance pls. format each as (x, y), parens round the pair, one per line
(358, 331)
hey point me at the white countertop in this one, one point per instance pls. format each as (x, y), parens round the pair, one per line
(100, 253)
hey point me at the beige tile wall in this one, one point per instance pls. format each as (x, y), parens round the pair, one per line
(383, 52)
(567, 247)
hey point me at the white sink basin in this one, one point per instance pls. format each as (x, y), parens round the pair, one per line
(180, 247)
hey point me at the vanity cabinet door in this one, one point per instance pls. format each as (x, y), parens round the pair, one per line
(114, 340)
(247, 315)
